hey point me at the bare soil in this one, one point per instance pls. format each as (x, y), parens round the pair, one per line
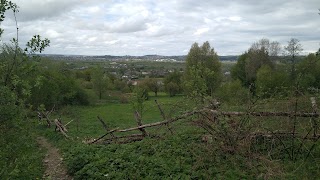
(55, 168)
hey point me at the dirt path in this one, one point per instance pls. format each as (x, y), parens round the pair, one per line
(53, 162)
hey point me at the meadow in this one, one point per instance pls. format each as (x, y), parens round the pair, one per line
(180, 153)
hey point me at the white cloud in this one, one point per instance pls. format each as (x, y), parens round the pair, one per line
(235, 18)
(138, 27)
(201, 31)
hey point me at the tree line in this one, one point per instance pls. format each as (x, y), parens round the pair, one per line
(264, 70)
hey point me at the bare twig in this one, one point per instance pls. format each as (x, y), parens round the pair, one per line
(163, 115)
(68, 123)
(103, 123)
(61, 128)
(314, 121)
(114, 130)
(139, 122)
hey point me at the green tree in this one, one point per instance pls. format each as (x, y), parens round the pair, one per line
(309, 72)
(250, 62)
(100, 81)
(54, 85)
(8, 108)
(16, 66)
(238, 71)
(233, 92)
(293, 49)
(173, 83)
(203, 71)
(272, 83)
(153, 85)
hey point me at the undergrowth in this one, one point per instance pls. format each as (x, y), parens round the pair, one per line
(20, 155)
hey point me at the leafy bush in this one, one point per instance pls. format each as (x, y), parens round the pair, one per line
(19, 153)
(8, 108)
(233, 92)
(271, 83)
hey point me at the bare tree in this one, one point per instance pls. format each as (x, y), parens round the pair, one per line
(272, 49)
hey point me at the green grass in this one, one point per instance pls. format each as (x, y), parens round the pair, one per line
(20, 155)
(179, 156)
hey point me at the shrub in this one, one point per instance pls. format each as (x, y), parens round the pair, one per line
(233, 92)
(8, 108)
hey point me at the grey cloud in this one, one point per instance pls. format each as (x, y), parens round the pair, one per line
(42, 9)
(140, 27)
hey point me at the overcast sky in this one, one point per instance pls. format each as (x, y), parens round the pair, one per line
(166, 27)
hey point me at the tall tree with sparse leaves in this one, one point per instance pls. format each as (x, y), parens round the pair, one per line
(293, 49)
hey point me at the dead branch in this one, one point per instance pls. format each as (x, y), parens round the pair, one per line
(114, 130)
(139, 122)
(123, 137)
(61, 128)
(103, 123)
(163, 115)
(283, 114)
(45, 115)
(68, 123)
(161, 122)
(161, 111)
(314, 121)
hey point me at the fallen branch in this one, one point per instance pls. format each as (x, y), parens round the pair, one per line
(161, 122)
(314, 121)
(61, 128)
(283, 114)
(139, 122)
(114, 130)
(163, 115)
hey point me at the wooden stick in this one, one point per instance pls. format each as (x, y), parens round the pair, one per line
(282, 114)
(103, 123)
(161, 122)
(161, 111)
(68, 123)
(114, 130)
(61, 128)
(139, 122)
(314, 121)
(163, 115)
(126, 136)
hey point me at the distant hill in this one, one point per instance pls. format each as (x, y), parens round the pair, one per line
(126, 58)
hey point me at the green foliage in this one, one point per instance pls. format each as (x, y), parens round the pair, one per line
(8, 109)
(173, 83)
(15, 70)
(292, 50)
(36, 44)
(203, 71)
(4, 6)
(309, 72)
(249, 62)
(238, 71)
(20, 155)
(153, 85)
(55, 86)
(177, 157)
(272, 83)
(233, 93)
(100, 81)
(139, 97)
(183, 154)
(196, 87)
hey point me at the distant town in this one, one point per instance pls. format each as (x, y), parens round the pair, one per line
(159, 58)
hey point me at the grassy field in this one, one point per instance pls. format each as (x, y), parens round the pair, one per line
(182, 155)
